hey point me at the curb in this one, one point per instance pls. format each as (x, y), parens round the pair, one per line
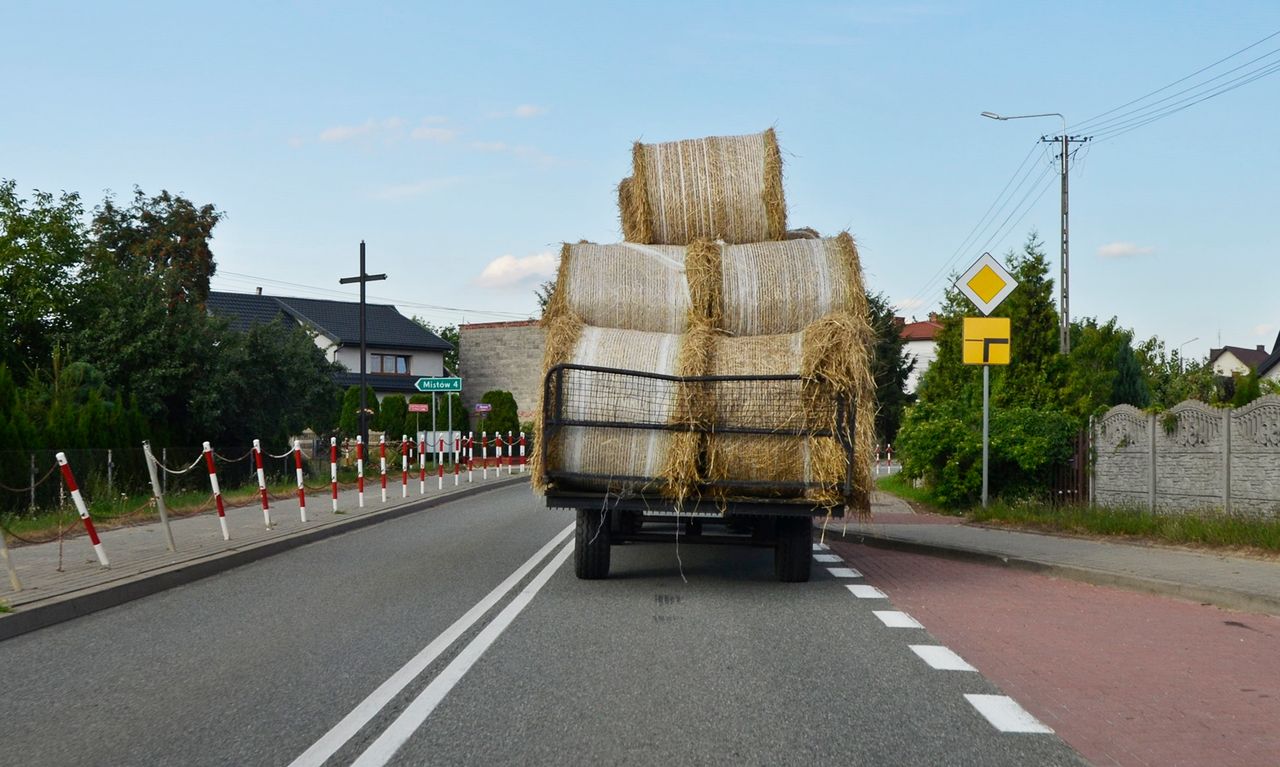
(1214, 595)
(66, 607)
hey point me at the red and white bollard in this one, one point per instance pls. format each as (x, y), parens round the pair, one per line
(511, 456)
(471, 455)
(302, 491)
(360, 469)
(262, 482)
(333, 469)
(440, 466)
(484, 455)
(522, 458)
(888, 450)
(217, 492)
(422, 467)
(382, 457)
(82, 510)
(404, 465)
(457, 440)
(497, 452)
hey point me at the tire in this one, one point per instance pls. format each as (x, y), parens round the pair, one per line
(793, 551)
(591, 545)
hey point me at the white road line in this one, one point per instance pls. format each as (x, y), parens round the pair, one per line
(844, 572)
(821, 547)
(896, 619)
(826, 558)
(343, 731)
(1005, 714)
(867, 592)
(382, 750)
(941, 657)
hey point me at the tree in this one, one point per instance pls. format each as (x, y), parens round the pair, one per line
(1247, 389)
(890, 367)
(543, 294)
(41, 244)
(1171, 379)
(504, 417)
(1130, 387)
(349, 420)
(1102, 369)
(395, 411)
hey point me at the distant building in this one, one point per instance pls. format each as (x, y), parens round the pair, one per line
(1270, 367)
(1236, 360)
(506, 356)
(400, 350)
(921, 345)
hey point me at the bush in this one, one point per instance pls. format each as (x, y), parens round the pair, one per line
(504, 417)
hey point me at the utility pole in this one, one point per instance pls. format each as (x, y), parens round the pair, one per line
(363, 278)
(1064, 276)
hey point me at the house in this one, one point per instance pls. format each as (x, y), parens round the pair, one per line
(1236, 360)
(1270, 367)
(921, 345)
(400, 350)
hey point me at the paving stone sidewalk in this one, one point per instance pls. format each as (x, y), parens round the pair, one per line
(62, 579)
(1227, 581)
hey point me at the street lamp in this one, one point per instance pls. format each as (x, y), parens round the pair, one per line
(1064, 323)
(1182, 365)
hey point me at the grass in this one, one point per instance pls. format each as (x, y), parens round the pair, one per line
(1207, 528)
(4, 607)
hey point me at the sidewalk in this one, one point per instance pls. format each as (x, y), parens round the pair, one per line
(62, 580)
(1226, 581)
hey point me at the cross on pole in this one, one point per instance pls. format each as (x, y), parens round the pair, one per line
(363, 278)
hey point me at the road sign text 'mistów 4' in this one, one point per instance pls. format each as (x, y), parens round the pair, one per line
(438, 384)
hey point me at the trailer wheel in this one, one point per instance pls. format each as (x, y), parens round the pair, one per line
(793, 551)
(591, 545)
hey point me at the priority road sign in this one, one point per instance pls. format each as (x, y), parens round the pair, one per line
(986, 341)
(986, 283)
(438, 384)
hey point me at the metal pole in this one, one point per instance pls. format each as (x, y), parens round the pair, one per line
(14, 582)
(986, 421)
(364, 419)
(33, 482)
(1064, 333)
(448, 398)
(435, 436)
(159, 494)
(111, 490)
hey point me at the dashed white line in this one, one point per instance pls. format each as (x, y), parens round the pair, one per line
(896, 619)
(844, 572)
(821, 547)
(867, 592)
(826, 558)
(1005, 714)
(941, 658)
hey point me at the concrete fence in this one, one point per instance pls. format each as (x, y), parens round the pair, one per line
(1192, 456)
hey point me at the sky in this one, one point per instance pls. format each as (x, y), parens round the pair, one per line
(464, 141)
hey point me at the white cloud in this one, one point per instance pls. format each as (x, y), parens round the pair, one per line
(416, 188)
(368, 128)
(1265, 329)
(438, 135)
(1124, 250)
(529, 110)
(489, 146)
(509, 271)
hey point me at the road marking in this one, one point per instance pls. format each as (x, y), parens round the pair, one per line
(896, 619)
(821, 547)
(826, 558)
(844, 572)
(867, 592)
(368, 708)
(1005, 714)
(941, 658)
(382, 750)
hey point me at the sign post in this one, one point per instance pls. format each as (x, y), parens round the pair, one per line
(986, 339)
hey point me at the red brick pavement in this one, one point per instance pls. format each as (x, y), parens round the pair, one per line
(1124, 678)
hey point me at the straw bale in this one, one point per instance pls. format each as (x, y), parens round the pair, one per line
(781, 287)
(720, 187)
(562, 334)
(626, 285)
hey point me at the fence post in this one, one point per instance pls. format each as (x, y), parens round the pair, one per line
(159, 494)
(1226, 460)
(1151, 457)
(33, 482)
(111, 489)
(8, 563)
(1090, 465)
(164, 478)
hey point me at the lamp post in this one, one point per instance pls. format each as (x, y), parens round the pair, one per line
(1182, 365)
(1064, 322)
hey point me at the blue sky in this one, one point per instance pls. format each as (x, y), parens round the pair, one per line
(464, 141)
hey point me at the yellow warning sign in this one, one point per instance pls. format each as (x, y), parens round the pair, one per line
(986, 340)
(986, 283)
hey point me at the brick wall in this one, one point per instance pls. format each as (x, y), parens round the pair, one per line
(502, 355)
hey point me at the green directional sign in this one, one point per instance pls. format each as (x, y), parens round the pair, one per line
(438, 384)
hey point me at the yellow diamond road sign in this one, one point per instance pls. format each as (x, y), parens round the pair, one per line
(986, 283)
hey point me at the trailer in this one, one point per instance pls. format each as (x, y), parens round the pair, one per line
(618, 508)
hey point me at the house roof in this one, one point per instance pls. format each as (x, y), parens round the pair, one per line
(1251, 357)
(1271, 361)
(337, 320)
(921, 331)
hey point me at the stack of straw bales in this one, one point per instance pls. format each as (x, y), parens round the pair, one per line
(711, 283)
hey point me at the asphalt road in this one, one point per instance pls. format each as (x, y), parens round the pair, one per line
(460, 636)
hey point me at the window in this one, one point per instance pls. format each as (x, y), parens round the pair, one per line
(396, 364)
